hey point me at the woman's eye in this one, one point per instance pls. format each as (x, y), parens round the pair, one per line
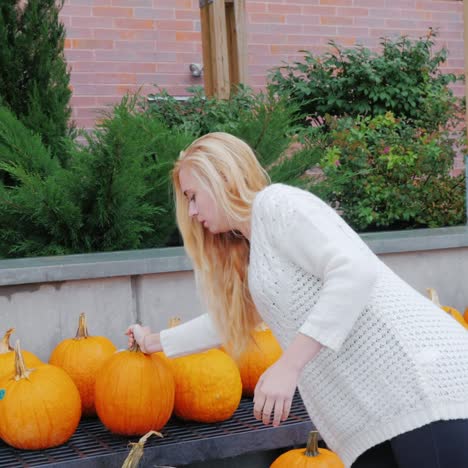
(192, 198)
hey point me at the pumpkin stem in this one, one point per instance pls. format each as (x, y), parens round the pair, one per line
(22, 372)
(433, 296)
(82, 331)
(312, 445)
(136, 453)
(5, 346)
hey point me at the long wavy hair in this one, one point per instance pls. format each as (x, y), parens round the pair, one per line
(227, 168)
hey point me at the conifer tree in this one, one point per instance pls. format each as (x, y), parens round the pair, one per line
(34, 78)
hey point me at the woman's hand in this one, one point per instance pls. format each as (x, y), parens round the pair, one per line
(275, 388)
(137, 333)
(274, 393)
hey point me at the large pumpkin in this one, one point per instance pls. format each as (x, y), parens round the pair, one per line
(261, 353)
(208, 386)
(311, 457)
(39, 408)
(450, 310)
(7, 356)
(134, 392)
(82, 357)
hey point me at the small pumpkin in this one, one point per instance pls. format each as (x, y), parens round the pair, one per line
(263, 351)
(82, 357)
(450, 310)
(311, 457)
(208, 386)
(134, 392)
(465, 314)
(7, 356)
(39, 408)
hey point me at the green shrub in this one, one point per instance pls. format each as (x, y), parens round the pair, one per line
(268, 123)
(34, 79)
(404, 78)
(382, 173)
(115, 194)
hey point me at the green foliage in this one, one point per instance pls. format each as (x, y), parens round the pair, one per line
(404, 78)
(34, 80)
(266, 122)
(385, 174)
(115, 194)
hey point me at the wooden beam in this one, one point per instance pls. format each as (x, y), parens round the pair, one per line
(224, 45)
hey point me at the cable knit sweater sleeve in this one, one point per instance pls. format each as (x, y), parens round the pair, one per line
(196, 335)
(314, 237)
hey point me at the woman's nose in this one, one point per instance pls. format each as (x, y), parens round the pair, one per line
(192, 210)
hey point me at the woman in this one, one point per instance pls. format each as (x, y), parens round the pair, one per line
(382, 371)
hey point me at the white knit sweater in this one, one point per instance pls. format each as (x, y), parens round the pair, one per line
(392, 361)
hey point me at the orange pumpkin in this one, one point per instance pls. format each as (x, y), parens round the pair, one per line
(39, 408)
(450, 310)
(208, 386)
(263, 351)
(134, 392)
(465, 315)
(311, 457)
(82, 357)
(7, 356)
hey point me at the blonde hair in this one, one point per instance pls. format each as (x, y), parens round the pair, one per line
(228, 169)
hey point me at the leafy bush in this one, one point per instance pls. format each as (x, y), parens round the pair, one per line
(115, 192)
(404, 78)
(266, 122)
(382, 173)
(113, 196)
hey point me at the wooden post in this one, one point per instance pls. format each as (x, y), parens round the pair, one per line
(224, 45)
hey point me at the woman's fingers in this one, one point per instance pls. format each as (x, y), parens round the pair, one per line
(286, 409)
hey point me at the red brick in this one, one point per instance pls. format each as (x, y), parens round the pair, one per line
(268, 38)
(91, 22)
(337, 20)
(114, 12)
(114, 67)
(71, 10)
(267, 18)
(83, 101)
(171, 67)
(319, 10)
(104, 78)
(82, 33)
(183, 4)
(134, 24)
(352, 11)
(93, 44)
(153, 13)
(352, 32)
(256, 7)
(79, 55)
(303, 19)
(283, 9)
(175, 25)
(187, 36)
(161, 46)
(336, 2)
(96, 90)
(187, 15)
(137, 45)
(133, 3)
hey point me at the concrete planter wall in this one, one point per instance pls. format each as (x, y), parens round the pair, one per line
(42, 297)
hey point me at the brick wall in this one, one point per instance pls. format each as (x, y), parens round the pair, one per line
(117, 45)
